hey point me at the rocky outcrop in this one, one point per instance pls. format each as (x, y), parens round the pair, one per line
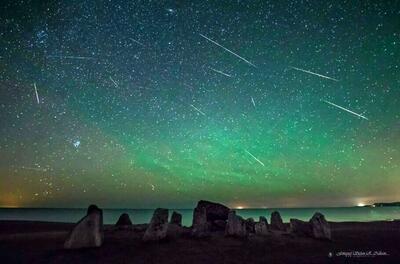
(158, 227)
(300, 228)
(261, 227)
(176, 219)
(124, 221)
(250, 225)
(276, 222)
(235, 226)
(200, 224)
(88, 232)
(320, 227)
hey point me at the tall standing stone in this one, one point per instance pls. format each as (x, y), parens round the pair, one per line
(261, 227)
(235, 226)
(276, 221)
(88, 232)
(176, 219)
(200, 224)
(158, 227)
(320, 227)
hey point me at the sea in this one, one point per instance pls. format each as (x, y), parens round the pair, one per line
(140, 216)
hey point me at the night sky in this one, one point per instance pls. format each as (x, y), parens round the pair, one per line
(141, 104)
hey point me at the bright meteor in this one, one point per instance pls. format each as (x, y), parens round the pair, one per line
(344, 109)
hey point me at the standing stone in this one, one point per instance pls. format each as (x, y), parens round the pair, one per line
(250, 225)
(176, 219)
(300, 228)
(276, 221)
(320, 227)
(261, 227)
(200, 224)
(88, 232)
(158, 227)
(235, 226)
(124, 221)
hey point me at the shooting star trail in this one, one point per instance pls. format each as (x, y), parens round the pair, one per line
(115, 83)
(69, 57)
(198, 110)
(313, 73)
(220, 72)
(136, 41)
(259, 161)
(36, 93)
(254, 103)
(231, 52)
(347, 110)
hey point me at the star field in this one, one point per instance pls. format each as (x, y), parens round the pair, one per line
(162, 103)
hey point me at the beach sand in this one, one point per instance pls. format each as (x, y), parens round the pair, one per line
(42, 242)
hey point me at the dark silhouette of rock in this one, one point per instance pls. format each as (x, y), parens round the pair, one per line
(320, 227)
(158, 227)
(214, 212)
(200, 224)
(300, 228)
(250, 225)
(88, 232)
(176, 219)
(124, 220)
(218, 225)
(235, 226)
(276, 221)
(261, 227)
(175, 231)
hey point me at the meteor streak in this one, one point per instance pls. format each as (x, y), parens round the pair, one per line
(259, 161)
(36, 93)
(220, 72)
(316, 74)
(231, 52)
(198, 110)
(347, 110)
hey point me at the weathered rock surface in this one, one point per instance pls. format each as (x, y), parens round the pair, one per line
(88, 232)
(218, 225)
(158, 227)
(276, 221)
(300, 228)
(235, 226)
(200, 224)
(214, 211)
(124, 221)
(176, 219)
(250, 225)
(261, 227)
(320, 227)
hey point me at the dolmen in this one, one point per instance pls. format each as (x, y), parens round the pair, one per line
(317, 227)
(88, 232)
(276, 222)
(124, 221)
(158, 227)
(209, 216)
(236, 225)
(261, 227)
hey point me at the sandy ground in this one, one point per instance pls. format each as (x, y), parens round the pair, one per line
(353, 242)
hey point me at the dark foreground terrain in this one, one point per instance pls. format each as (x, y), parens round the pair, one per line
(353, 242)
